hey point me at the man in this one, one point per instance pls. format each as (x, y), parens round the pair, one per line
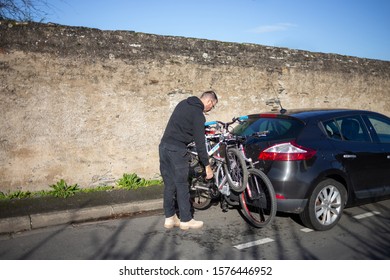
(185, 125)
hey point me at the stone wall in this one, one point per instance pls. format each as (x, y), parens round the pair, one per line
(87, 105)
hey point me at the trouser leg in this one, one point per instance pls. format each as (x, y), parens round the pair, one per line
(174, 169)
(167, 173)
(183, 193)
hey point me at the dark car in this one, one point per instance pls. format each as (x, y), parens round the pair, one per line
(320, 161)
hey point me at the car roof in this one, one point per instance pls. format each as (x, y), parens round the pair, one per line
(310, 113)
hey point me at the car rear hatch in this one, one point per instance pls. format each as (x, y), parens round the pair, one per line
(271, 137)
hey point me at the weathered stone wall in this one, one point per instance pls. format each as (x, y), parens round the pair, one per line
(88, 105)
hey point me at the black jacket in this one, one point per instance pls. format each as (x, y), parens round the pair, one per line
(186, 125)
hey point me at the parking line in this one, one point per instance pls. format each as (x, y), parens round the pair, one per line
(253, 243)
(365, 215)
(268, 240)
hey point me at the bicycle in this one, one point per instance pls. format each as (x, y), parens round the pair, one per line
(255, 194)
(232, 160)
(206, 190)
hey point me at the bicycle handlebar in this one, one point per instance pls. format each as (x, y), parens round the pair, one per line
(226, 124)
(222, 130)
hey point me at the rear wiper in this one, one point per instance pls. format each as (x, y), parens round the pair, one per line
(261, 133)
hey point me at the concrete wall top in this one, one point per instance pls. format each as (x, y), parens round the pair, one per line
(130, 46)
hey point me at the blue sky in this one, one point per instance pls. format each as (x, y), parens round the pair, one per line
(348, 27)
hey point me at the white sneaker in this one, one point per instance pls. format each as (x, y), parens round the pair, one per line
(172, 222)
(191, 224)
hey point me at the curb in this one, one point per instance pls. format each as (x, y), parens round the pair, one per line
(41, 220)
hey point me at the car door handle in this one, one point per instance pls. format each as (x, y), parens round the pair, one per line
(349, 156)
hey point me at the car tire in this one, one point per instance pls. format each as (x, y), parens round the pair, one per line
(325, 205)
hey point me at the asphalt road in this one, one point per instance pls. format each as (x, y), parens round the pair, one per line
(362, 234)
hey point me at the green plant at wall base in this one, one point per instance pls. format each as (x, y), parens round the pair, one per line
(62, 189)
(19, 194)
(132, 182)
(15, 195)
(2, 196)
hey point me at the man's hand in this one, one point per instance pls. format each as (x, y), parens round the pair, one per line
(209, 172)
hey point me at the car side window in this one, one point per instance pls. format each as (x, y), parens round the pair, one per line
(381, 127)
(349, 128)
(332, 129)
(352, 129)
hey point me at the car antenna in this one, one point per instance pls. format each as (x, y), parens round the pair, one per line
(282, 110)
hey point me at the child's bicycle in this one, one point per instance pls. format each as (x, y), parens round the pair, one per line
(236, 182)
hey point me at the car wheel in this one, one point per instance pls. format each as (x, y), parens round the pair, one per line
(325, 205)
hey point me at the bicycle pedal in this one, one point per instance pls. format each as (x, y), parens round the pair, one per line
(224, 206)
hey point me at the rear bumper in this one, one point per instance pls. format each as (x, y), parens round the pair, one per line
(295, 206)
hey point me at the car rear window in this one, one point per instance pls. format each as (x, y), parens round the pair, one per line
(270, 128)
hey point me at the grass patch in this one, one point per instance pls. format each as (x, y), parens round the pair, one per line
(132, 182)
(62, 190)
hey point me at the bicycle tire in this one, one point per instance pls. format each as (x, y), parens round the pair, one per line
(236, 170)
(200, 199)
(258, 200)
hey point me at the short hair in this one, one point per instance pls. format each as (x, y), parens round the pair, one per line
(210, 94)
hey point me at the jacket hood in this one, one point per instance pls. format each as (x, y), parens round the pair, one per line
(195, 101)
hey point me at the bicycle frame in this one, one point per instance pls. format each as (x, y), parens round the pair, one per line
(214, 153)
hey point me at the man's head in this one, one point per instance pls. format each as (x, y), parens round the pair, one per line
(209, 100)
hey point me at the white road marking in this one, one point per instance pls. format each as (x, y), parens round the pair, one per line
(365, 215)
(253, 243)
(268, 240)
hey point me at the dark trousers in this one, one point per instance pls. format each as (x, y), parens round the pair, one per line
(174, 168)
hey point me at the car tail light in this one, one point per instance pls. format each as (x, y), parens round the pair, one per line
(287, 152)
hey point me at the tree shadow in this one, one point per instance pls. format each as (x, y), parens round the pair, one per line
(125, 239)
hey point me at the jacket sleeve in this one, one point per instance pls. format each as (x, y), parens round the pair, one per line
(200, 140)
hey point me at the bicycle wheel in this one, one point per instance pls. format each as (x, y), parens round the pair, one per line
(236, 170)
(200, 198)
(258, 201)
